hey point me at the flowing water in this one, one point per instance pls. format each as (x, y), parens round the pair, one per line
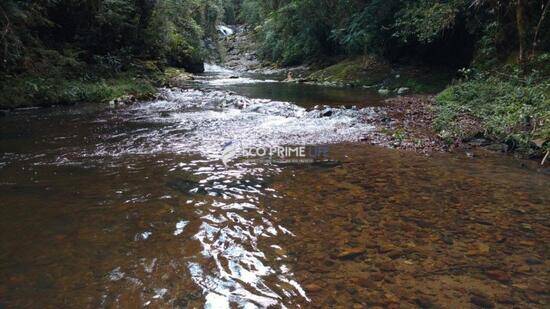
(134, 206)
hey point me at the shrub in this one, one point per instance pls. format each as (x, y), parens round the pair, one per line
(511, 107)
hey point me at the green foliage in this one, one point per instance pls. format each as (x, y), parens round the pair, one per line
(426, 20)
(512, 105)
(68, 51)
(32, 90)
(251, 12)
(109, 33)
(296, 31)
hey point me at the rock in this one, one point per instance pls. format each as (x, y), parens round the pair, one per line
(497, 147)
(383, 91)
(180, 80)
(350, 253)
(313, 288)
(537, 288)
(402, 90)
(233, 77)
(482, 301)
(385, 248)
(533, 261)
(190, 65)
(478, 249)
(447, 239)
(505, 299)
(326, 113)
(365, 282)
(424, 302)
(498, 275)
(387, 266)
(479, 142)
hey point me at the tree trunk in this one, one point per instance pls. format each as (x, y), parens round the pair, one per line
(521, 23)
(537, 29)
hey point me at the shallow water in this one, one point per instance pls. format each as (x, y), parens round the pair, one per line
(133, 206)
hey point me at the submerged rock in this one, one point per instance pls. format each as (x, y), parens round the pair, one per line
(482, 301)
(350, 253)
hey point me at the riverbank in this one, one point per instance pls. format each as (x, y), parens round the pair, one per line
(411, 123)
(44, 91)
(506, 109)
(70, 88)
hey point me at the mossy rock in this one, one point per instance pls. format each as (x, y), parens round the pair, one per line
(361, 71)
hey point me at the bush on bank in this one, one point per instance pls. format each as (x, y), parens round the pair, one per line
(509, 105)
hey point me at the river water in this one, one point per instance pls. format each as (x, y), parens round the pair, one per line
(134, 206)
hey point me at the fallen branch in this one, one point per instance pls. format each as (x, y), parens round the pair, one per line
(545, 157)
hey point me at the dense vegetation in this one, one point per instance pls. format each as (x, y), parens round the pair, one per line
(56, 51)
(295, 31)
(503, 44)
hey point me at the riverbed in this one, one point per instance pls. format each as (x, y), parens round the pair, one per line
(140, 206)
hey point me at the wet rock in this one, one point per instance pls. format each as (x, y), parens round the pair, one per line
(383, 91)
(497, 147)
(479, 142)
(498, 275)
(312, 288)
(533, 261)
(424, 302)
(376, 299)
(505, 299)
(365, 282)
(397, 253)
(447, 239)
(402, 90)
(478, 249)
(116, 274)
(123, 100)
(351, 253)
(327, 112)
(385, 248)
(377, 277)
(387, 266)
(482, 301)
(180, 80)
(182, 185)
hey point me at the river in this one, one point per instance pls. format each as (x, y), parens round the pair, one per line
(141, 206)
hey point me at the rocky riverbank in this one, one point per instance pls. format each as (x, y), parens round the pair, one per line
(408, 122)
